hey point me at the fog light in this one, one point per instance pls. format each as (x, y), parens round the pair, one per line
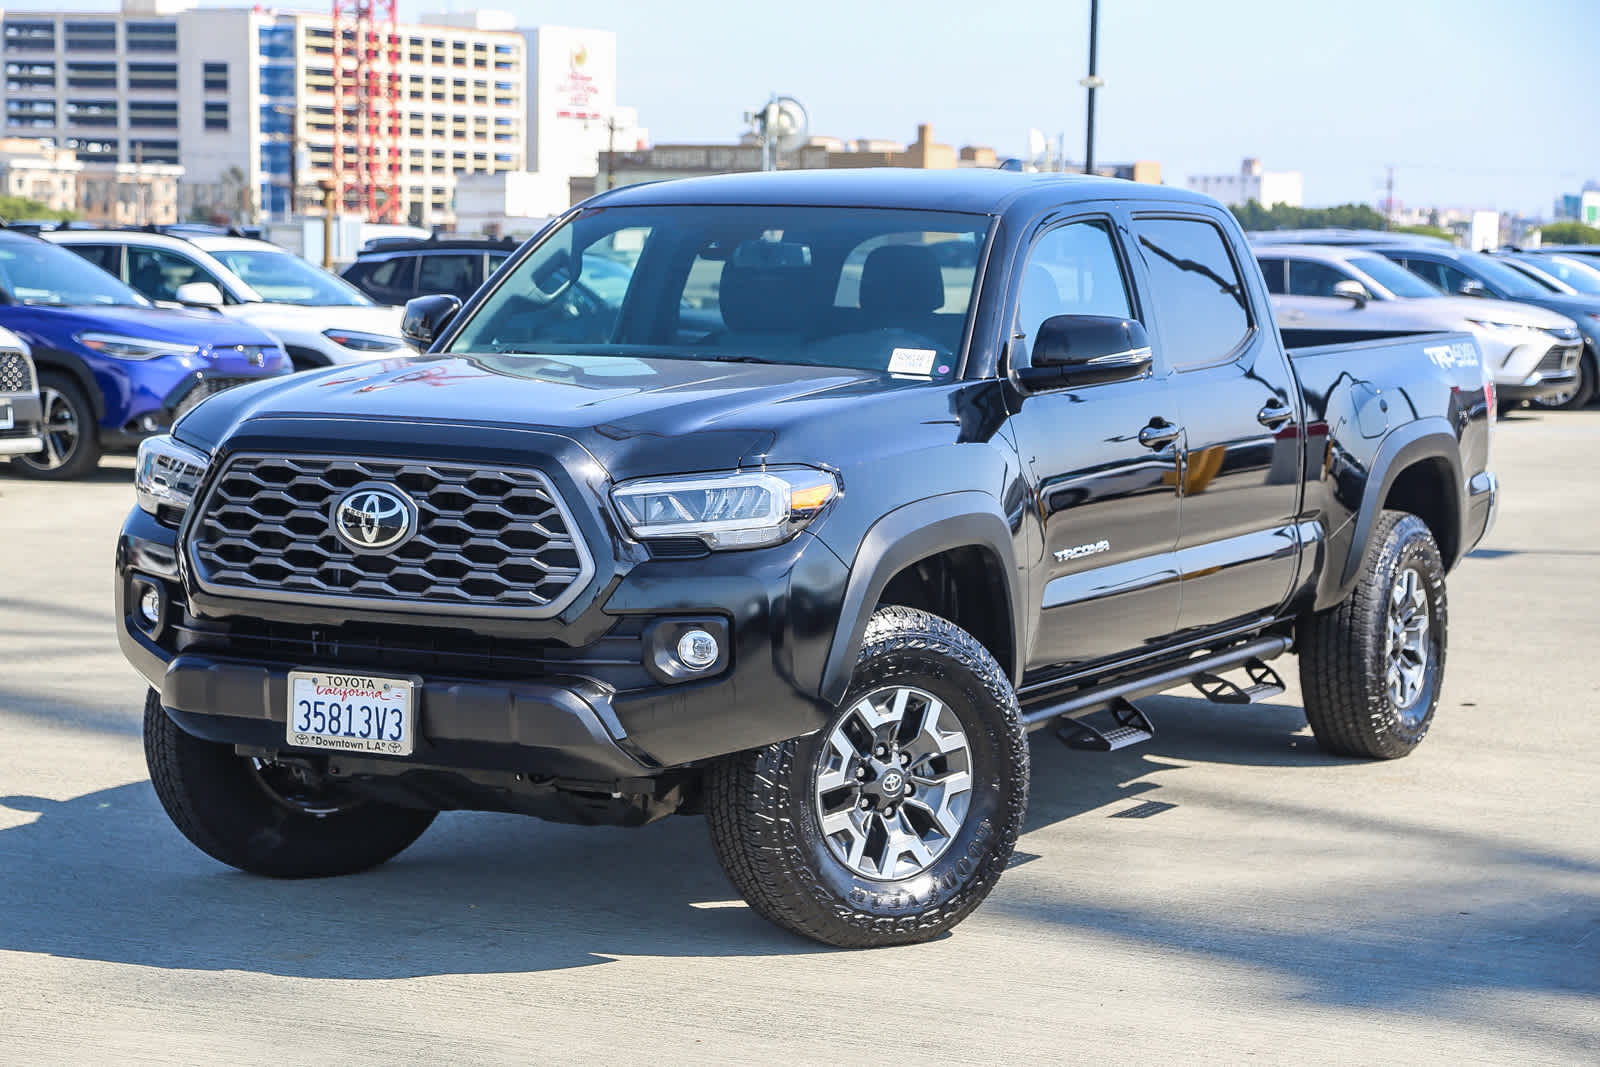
(697, 650)
(150, 605)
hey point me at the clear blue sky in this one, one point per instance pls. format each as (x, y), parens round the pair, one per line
(1476, 103)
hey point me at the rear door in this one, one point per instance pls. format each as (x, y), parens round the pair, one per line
(1240, 410)
(1107, 584)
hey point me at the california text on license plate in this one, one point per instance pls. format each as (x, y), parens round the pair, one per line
(352, 712)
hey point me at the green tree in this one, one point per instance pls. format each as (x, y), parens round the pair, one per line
(1569, 233)
(17, 207)
(1252, 216)
(1427, 231)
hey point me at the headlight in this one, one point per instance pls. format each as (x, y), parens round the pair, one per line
(166, 473)
(364, 342)
(122, 347)
(739, 510)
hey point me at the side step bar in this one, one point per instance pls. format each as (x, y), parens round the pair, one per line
(1088, 701)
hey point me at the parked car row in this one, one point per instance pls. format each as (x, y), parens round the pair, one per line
(1538, 329)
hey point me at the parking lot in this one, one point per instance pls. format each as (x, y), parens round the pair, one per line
(1222, 891)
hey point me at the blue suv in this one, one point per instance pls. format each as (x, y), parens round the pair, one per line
(112, 368)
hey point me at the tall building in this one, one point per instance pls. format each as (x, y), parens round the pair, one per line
(242, 99)
(1252, 183)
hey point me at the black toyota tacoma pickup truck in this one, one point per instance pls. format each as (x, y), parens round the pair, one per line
(796, 500)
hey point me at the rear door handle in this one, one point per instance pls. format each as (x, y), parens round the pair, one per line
(1159, 434)
(1274, 414)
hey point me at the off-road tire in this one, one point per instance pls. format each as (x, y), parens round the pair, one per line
(84, 456)
(766, 830)
(215, 799)
(1343, 665)
(1581, 394)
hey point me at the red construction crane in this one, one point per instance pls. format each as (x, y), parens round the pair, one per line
(366, 104)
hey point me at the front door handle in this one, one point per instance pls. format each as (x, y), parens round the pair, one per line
(1274, 414)
(1159, 434)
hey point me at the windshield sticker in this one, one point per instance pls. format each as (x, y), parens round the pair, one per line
(918, 361)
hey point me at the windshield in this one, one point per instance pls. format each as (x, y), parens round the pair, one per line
(33, 272)
(869, 288)
(284, 278)
(1512, 285)
(1393, 277)
(1576, 274)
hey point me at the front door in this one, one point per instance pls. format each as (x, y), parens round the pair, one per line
(1240, 409)
(1107, 501)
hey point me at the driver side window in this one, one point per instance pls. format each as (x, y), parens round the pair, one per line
(1072, 270)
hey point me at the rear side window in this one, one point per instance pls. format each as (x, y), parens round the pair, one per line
(1194, 283)
(107, 257)
(1273, 270)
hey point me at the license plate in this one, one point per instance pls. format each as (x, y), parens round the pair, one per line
(351, 712)
(8, 418)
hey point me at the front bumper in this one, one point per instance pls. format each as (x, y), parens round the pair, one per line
(20, 414)
(568, 714)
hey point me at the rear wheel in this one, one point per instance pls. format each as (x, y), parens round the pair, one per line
(71, 445)
(895, 821)
(1371, 667)
(265, 817)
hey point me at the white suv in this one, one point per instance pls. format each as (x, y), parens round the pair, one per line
(320, 318)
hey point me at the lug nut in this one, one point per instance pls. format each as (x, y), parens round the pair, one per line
(911, 790)
(865, 803)
(861, 772)
(880, 751)
(888, 812)
(905, 759)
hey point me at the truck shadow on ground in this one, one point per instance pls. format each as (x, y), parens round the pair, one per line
(105, 877)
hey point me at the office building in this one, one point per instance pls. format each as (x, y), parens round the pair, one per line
(242, 99)
(1266, 188)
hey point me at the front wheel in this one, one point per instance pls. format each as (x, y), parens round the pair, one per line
(1371, 667)
(264, 817)
(71, 445)
(1579, 395)
(895, 821)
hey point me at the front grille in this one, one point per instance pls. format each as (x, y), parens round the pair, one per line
(202, 388)
(498, 539)
(16, 373)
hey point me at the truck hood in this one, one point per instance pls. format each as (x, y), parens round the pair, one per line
(281, 319)
(643, 416)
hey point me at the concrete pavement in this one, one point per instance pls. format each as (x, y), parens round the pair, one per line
(1222, 892)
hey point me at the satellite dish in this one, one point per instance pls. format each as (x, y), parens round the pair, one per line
(787, 125)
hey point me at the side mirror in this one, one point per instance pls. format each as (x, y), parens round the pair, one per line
(1472, 287)
(426, 318)
(1072, 350)
(199, 295)
(1351, 289)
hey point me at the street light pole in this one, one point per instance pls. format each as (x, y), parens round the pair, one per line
(1091, 83)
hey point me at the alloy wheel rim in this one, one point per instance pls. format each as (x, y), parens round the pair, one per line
(1407, 638)
(893, 783)
(60, 430)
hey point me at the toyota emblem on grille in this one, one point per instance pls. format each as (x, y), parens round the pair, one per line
(373, 518)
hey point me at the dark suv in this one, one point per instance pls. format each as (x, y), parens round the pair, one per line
(392, 272)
